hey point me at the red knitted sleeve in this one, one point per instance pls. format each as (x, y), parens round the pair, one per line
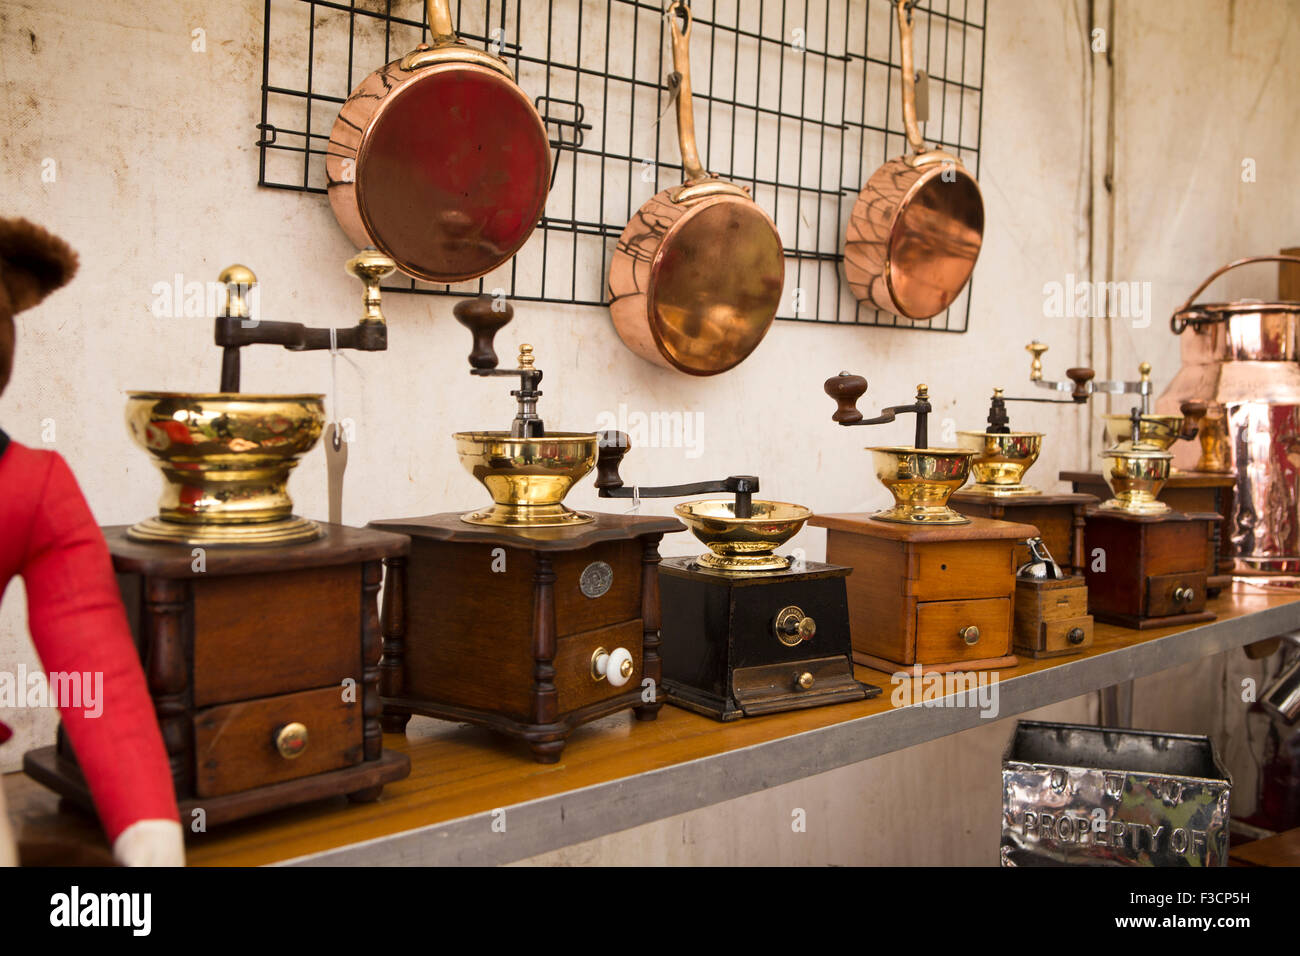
(78, 625)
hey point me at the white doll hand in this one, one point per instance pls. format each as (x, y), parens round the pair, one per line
(151, 843)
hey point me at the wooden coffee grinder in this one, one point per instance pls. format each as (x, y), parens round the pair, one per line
(931, 589)
(745, 630)
(526, 617)
(1148, 565)
(258, 629)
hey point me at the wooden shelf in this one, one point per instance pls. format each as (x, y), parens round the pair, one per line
(618, 773)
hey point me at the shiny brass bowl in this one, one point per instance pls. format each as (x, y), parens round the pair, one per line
(225, 459)
(1158, 430)
(1135, 475)
(527, 477)
(921, 480)
(743, 544)
(1001, 461)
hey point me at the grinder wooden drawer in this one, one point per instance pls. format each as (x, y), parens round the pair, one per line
(235, 744)
(939, 626)
(574, 684)
(1168, 593)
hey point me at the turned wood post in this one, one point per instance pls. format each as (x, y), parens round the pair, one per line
(651, 663)
(391, 678)
(167, 670)
(372, 734)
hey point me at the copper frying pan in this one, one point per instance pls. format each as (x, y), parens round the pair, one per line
(439, 160)
(917, 226)
(696, 277)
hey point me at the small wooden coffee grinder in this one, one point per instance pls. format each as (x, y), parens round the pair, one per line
(1200, 492)
(1002, 457)
(1148, 565)
(931, 589)
(526, 617)
(745, 632)
(258, 629)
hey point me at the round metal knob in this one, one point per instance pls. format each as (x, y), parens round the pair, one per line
(805, 681)
(1076, 635)
(291, 740)
(1184, 595)
(970, 634)
(792, 626)
(616, 666)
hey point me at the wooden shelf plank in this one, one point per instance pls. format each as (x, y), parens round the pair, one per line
(618, 773)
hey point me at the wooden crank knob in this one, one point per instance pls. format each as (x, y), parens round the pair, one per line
(1080, 377)
(483, 316)
(846, 389)
(612, 447)
(1193, 412)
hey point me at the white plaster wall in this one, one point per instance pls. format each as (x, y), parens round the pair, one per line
(156, 176)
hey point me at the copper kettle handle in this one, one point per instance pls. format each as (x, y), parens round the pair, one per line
(1183, 315)
(691, 165)
(914, 139)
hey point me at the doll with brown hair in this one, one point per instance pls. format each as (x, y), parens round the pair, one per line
(75, 615)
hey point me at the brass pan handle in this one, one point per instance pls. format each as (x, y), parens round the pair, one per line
(914, 139)
(1185, 315)
(691, 164)
(441, 30)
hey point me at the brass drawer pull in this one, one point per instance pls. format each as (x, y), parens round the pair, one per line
(970, 634)
(291, 740)
(1076, 635)
(805, 681)
(1184, 595)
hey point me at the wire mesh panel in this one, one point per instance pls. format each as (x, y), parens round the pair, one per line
(797, 99)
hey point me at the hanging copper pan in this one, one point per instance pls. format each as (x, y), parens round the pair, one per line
(918, 224)
(696, 277)
(439, 160)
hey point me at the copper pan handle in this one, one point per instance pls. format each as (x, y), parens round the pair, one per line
(914, 139)
(691, 165)
(441, 30)
(1184, 315)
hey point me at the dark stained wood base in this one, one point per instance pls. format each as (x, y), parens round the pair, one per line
(893, 667)
(362, 783)
(545, 740)
(724, 708)
(1146, 623)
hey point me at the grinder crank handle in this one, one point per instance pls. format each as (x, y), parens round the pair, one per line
(484, 316)
(1193, 412)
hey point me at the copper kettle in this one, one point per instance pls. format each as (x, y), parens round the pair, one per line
(1242, 359)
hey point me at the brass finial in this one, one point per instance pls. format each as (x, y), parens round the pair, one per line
(1145, 371)
(922, 392)
(997, 392)
(238, 280)
(370, 267)
(1036, 349)
(525, 356)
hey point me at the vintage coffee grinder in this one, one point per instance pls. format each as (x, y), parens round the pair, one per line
(1002, 457)
(1148, 565)
(1192, 492)
(258, 628)
(1051, 612)
(526, 617)
(931, 588)
(745, 631)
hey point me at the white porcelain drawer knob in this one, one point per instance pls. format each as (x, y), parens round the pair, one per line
(615, 666)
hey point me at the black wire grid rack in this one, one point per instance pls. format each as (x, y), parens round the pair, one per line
(816, 82)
